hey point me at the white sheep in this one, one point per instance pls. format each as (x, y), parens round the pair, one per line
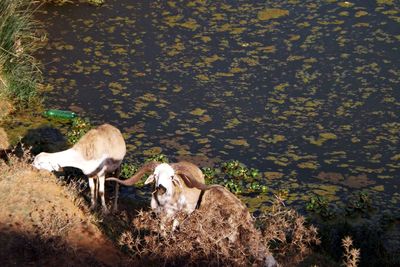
(98, 152)
(173, 189)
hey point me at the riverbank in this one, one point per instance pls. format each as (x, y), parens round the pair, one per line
(43, 221)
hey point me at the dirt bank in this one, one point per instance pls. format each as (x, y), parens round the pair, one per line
(40, 218)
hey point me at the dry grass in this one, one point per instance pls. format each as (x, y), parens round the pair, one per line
(351, 255)
(289, 237)
(6, 107)
(199, 240)
(212, 236)
(216, 234)
(4, 144)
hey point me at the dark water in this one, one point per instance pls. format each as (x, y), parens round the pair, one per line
(306, 92)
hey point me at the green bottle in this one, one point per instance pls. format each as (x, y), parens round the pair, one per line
(61, 114)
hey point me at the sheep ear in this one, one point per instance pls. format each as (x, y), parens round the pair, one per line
(150, 179)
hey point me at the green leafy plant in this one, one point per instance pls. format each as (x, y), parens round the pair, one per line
(359, 202)
(239, 171)
(210, 175)
(234, 186)
(128, 169)
(158, 157)
(78, 128)
(320, 206)
(255, 186)
(238, 178)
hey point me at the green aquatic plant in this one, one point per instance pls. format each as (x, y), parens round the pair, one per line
(239, 171)
(359, 202)
(128, 170)
(256, 187)
(210, 175)
(234, 186)
(158, 157)
(320, 206)
(238, 178)
(78, 128)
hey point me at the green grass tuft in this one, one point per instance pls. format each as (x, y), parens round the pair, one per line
(19, 39)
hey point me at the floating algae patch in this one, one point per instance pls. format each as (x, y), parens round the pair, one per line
(328, 191)
(346, 4)
(308, 165)
(273, 175)
(385, 2)
(272, 13)
(152, 151)
(379, 188)
(352, 181)
(323, 137)
(198, 111)
(239, 142)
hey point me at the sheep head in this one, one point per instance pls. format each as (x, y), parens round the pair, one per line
(164, 178)
(44, 161)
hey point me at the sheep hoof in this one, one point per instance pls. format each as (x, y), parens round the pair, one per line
(105, 211)
(175, 224)
(115, 209)
(270, 261)
(93, 207)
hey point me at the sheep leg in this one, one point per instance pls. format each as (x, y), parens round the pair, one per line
(115, 205)
(102, 179)
(96, 190)
(92, 186)
(175, 224)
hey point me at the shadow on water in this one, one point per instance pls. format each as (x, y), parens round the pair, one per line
(45, 139)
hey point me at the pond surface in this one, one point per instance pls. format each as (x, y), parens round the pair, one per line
(306, 92)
